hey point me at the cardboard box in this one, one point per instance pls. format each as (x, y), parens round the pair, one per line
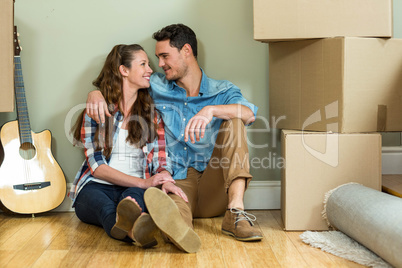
(336, 84)
(276, 20)
(317, 162)
(6, 56)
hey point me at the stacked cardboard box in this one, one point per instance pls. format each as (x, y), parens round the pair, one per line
(331, 70)
(317, 162)
(6, 56)
(276, 20)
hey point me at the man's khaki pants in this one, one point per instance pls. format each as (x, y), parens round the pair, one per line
(207, 191)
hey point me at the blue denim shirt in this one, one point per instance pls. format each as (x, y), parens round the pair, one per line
(176, 109)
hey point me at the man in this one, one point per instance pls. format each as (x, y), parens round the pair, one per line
(206, 138)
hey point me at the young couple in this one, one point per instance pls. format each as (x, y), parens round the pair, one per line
(131, 183)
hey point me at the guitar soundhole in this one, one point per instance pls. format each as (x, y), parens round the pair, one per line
(27, 151)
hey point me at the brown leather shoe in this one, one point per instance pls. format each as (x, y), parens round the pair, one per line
(239, 224)
(127, 213)
(167, 217)
(144, 231)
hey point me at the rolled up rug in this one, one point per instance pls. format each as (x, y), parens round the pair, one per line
(370, 217)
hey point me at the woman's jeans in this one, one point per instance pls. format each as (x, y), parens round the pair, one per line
(96, 203)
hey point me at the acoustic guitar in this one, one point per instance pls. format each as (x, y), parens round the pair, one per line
(31, 181)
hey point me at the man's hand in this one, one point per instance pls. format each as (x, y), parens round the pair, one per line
(197, 124)
(171, 188)
(159, 179)
(97, 107)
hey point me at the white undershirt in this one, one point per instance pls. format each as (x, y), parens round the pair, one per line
(126, 158)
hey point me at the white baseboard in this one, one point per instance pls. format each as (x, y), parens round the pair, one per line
(259, 195)
(263, 195)
(66, 206)
(266, 194)
(392, 160)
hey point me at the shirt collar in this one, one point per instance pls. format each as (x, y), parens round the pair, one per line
(203, 85)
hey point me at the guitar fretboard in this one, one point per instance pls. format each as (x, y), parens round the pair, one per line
(22, 108)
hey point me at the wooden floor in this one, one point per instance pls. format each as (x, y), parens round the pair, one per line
(61, 240)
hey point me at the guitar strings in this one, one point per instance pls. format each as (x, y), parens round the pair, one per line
(23, 119)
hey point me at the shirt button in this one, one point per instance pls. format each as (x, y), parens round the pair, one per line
(185, 148)
(164, 107)
(182, 135)
(185, 103)
(184, 119)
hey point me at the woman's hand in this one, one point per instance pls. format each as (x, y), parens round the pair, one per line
(171, 188)
(158, 179)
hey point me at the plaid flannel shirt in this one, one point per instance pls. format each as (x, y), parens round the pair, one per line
(156, 158)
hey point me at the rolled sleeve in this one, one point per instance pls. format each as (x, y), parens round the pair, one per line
(160, 159)
(234, 96)
(94, 157)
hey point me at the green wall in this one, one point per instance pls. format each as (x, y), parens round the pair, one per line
(65, 43)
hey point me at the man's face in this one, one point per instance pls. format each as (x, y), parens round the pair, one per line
(171, 60)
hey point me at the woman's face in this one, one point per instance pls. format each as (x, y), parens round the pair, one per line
(139, 74)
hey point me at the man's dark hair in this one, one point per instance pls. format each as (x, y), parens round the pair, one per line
(179, 35)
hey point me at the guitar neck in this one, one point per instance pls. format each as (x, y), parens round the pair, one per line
(21, 103)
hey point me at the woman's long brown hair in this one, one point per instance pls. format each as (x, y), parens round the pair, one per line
(141, 126)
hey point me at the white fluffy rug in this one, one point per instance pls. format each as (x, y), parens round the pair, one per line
(341, 245)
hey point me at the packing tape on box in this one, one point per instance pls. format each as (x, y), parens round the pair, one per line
(381, 117)
(372, 218)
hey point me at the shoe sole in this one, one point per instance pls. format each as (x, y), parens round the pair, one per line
(144, 231)
(127, 212)
(244, 239)
(167, 217)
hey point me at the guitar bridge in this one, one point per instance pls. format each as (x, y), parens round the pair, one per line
(31, 186)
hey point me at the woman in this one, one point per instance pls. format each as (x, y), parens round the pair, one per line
(124, 156)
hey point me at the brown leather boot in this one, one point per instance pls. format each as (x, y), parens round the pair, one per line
(239, 224)
(144, 231)
(127, 213)
(167, 217)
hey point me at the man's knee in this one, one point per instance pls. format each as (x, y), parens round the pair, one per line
(184, 209)
(234, 124)
(232, 133)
